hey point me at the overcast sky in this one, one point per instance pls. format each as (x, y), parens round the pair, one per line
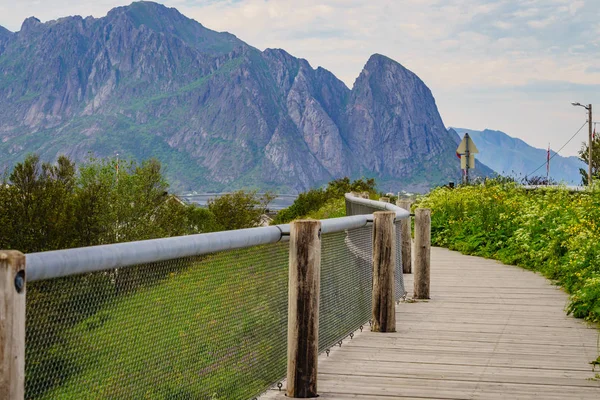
(510, 65)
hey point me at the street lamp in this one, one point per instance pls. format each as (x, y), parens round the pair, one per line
(589, 109)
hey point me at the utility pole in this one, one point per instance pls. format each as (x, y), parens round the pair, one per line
(468, 157)
(548, 166)
(590, 146)
(590, 139)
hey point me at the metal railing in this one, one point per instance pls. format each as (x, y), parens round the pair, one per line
(360, 206)
(201, 316)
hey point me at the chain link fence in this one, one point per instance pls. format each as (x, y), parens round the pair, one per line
(400, 288)
(346, 282)
(204, 327)
(207, 327)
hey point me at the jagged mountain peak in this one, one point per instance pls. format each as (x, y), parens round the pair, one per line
(280, 53)
(146, 81)
(154, 15)
(161, 19)
(382, 71)
(29, 24)
(377, 58)
(378, 63)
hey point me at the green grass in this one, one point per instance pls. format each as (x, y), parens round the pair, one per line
(334, 208)
(211, 328)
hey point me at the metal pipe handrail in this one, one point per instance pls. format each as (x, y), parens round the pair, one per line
(401, 213)
(61, 263)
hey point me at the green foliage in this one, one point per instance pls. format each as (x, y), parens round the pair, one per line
(239, 209)
(554, 232)
(584, 156)
(36, 216)
(311, 201)
(334, 208)
(48, 207)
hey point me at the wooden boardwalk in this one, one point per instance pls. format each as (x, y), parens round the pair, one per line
(490, 331)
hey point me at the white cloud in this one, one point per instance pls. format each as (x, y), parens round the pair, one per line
(542, 23)
(502, 24)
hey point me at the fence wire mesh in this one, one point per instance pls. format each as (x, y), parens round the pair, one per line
(346, 281)
(353, 208)
(208, 327)
(400, 289)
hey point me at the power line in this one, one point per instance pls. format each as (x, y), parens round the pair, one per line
(556, 152)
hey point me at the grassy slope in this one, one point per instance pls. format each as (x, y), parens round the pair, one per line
(214, 328)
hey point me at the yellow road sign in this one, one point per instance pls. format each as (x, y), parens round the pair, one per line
(462, 147)
(463, 161)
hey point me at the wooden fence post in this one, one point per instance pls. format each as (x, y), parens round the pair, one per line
(384, 266)
(303, 308)
(422, 252)
(406, 237)
(12, 325)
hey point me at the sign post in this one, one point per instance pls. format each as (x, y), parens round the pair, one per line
(467, 150)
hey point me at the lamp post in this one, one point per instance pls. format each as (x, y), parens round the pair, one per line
(589, 108)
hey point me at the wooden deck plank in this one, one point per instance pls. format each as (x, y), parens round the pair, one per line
(490, 331)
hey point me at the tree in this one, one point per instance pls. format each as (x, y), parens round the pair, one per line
(314, 199)
(584, 156)
(46, 206)
(37, 201)
(239, 209)
(339, 187)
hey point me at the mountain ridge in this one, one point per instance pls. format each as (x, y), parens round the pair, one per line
(147, 81)
(520, 159)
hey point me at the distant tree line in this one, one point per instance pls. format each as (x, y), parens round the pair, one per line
(50, 206)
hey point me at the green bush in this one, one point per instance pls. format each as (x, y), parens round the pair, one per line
(239, 209)
(312, 200)
(554, 232)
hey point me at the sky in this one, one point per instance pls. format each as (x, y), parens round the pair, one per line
(509, 65)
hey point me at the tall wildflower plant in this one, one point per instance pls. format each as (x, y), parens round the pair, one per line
(554, 232)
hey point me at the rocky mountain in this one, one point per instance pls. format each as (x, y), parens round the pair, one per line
(145, 81)
(512, 156)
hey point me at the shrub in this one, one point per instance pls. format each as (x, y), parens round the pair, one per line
(312, 200)
(554, 232)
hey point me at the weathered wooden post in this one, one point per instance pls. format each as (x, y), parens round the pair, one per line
(303, 308)
(12, 325)
(406, 238)
(422, 252)
(384, 265)
(384, 199)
